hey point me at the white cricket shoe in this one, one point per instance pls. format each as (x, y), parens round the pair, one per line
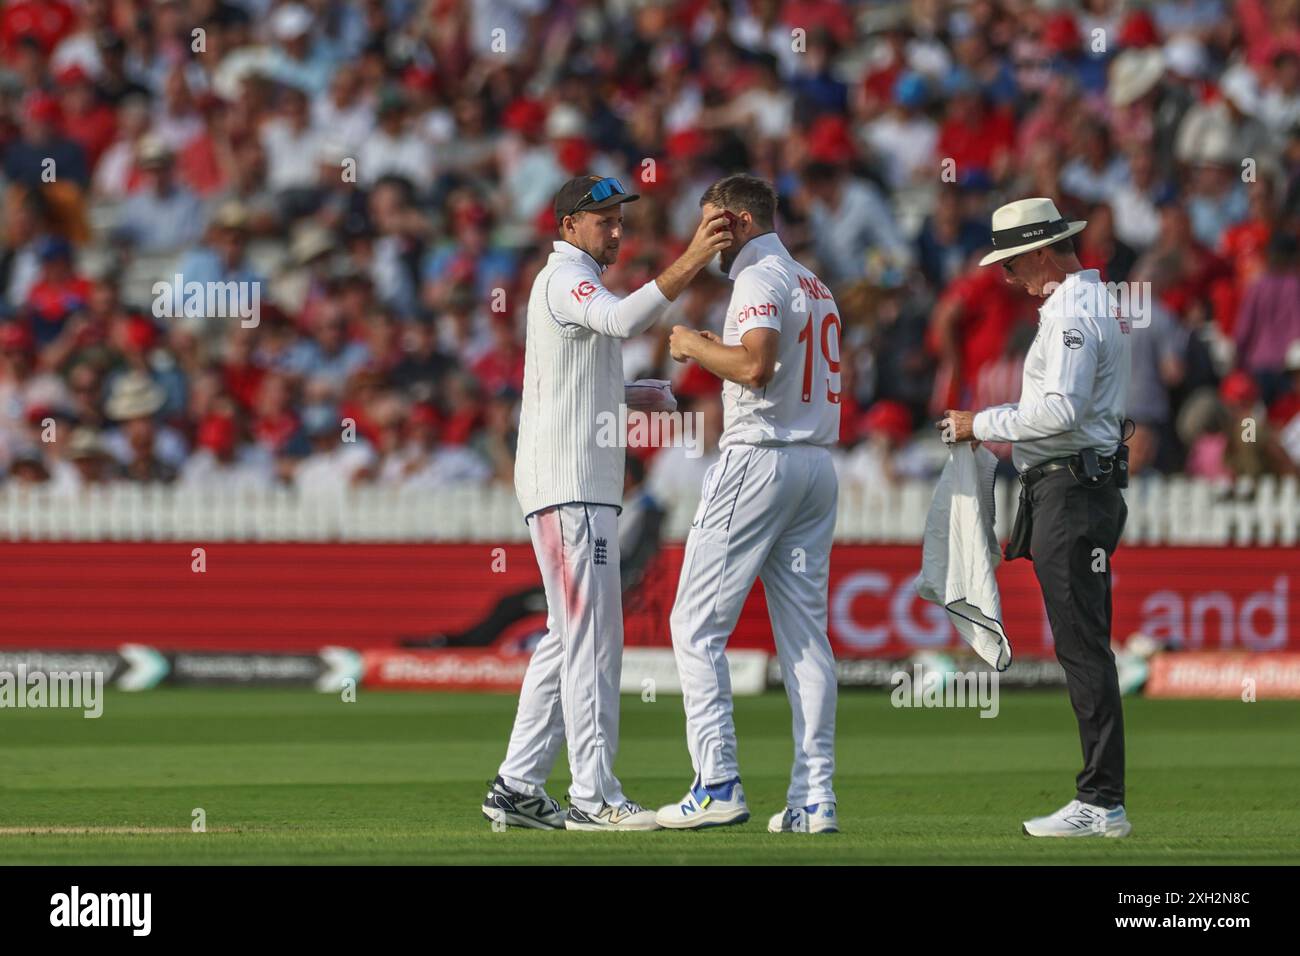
(1079, 819)
(814, 818)
(718, 806)
(629, 816)
(505, 806)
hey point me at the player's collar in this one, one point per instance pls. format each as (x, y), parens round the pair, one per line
(768, 244)
(570, 251)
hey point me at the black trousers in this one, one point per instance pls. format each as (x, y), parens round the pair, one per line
(1073, 531)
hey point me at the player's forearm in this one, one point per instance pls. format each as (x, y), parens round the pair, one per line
(629, 316)
(674, 280)
(735, 363)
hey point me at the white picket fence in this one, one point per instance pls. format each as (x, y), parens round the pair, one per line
(1176, 511)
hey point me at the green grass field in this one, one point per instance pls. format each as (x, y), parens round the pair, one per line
(300, 778)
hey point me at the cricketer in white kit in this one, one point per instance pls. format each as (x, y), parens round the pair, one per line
(570, 487)
(767, 510)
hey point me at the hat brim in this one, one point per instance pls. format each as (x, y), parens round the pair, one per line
(137, 405)
(125, 411)
(616, 200)
(309, 250)
(1136, 86)
(998, 255)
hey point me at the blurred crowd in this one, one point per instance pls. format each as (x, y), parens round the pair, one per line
(383, 170)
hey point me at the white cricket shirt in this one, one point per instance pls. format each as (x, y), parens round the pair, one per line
(802, 401)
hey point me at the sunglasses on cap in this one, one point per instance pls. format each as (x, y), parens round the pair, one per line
(599, 192)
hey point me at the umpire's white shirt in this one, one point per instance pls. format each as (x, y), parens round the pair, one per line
(573, 372)
(1075, 382)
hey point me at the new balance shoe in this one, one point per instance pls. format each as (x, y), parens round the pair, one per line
(629, 816)
(717, 806)
(1079, 819)
(814, 818)
(506, 806)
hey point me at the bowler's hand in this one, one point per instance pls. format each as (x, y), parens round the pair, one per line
(682, 341)
(957, 426)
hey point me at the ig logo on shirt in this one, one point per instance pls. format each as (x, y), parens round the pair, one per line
(1073, 338)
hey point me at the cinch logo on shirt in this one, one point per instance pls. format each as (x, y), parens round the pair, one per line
(582, 290)
(814, 288)
(750, 311)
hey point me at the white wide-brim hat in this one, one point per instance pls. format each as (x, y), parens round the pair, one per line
(1025, 225)
(135, 395)
(310, 242)
(1132, 74)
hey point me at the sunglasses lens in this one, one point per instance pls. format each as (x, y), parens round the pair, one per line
(605, 188)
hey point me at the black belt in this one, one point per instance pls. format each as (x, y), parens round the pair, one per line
(1042, 470)
(1022, 530)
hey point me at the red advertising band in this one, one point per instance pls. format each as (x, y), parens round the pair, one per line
(1010, 238)
(297, 598)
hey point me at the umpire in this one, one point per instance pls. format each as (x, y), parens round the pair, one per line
(1067, 435)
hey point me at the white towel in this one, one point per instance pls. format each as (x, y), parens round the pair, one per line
(960, 553)
(649, 395)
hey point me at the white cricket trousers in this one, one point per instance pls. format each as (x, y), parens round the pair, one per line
(766, 512)
(571, 687)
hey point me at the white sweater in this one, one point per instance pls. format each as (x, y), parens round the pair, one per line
(573, 377)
